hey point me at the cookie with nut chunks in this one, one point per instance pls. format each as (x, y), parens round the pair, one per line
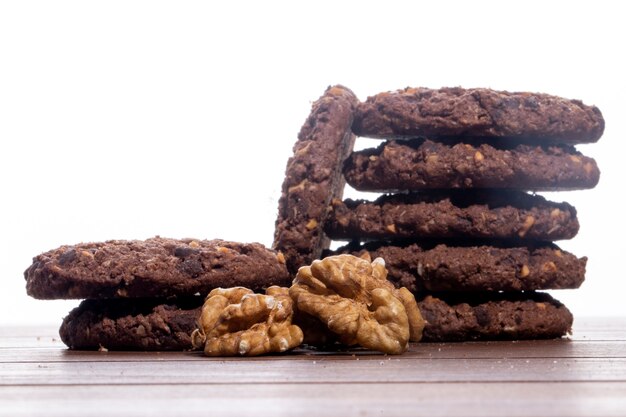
(490, 214)
(150, 324)
(156, 267)
(507, 316)
(313, 177)
(475, 265)
(478, 112)
(420, 164)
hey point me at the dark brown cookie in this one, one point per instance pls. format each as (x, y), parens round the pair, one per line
(478, 112)
(313, 177)
(424, 164)
(468, 266)
(474, 213)
(156, 267)
(132, 324)
(498, 317)
(157, 324)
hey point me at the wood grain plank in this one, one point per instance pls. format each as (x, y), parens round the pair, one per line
(391, 399)
(600, 328)
(314, 370)
(584, 376)
(470, 350)
(11, 342)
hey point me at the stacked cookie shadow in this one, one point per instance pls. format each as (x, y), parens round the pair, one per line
(458, 223)
(145, 294)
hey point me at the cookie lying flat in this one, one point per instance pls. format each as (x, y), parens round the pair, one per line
(502, 317)
(499, 214)
(154, 324)
(156, 267)
(424, 164)
(132, 324)
(471, 267)
(478, 112)
(313, 177)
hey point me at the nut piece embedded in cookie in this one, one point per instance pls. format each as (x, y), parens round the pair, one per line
(236, 321)
(354, 299)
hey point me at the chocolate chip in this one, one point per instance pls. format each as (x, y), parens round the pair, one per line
(67, 257)
(191, 267)
(482, 316)
(182, 252)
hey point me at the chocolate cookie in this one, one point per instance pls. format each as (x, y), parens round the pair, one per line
(132, 324)
(478, 112)
(502, 316)
(156, 267)
(313, 177)
(474, 213)
(157, 324)
(469, 266)
(425, 164)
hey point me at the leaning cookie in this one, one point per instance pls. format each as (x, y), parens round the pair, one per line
(478, 112)
(313, 177)
(132, 324)
(425, 164)
(476, 266)
(496, 317)
(501, 214)
(157, 267)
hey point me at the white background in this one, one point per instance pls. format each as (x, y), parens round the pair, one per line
(132, 119)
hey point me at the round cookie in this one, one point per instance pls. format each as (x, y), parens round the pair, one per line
(478, 112)
(157, 324)
(156, 267)
(425, 164)
(502, 214)
(470, 266)
(497, 317)
(132, 324)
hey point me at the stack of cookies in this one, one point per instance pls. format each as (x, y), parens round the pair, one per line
(146, 294)
(456, 225)
(460, 224)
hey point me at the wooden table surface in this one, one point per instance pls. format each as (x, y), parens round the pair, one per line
(582, 375)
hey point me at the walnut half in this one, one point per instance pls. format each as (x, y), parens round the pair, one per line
(353, 297)
(236, 321)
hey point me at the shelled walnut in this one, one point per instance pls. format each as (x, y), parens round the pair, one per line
(236, 321)
(353, 297)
